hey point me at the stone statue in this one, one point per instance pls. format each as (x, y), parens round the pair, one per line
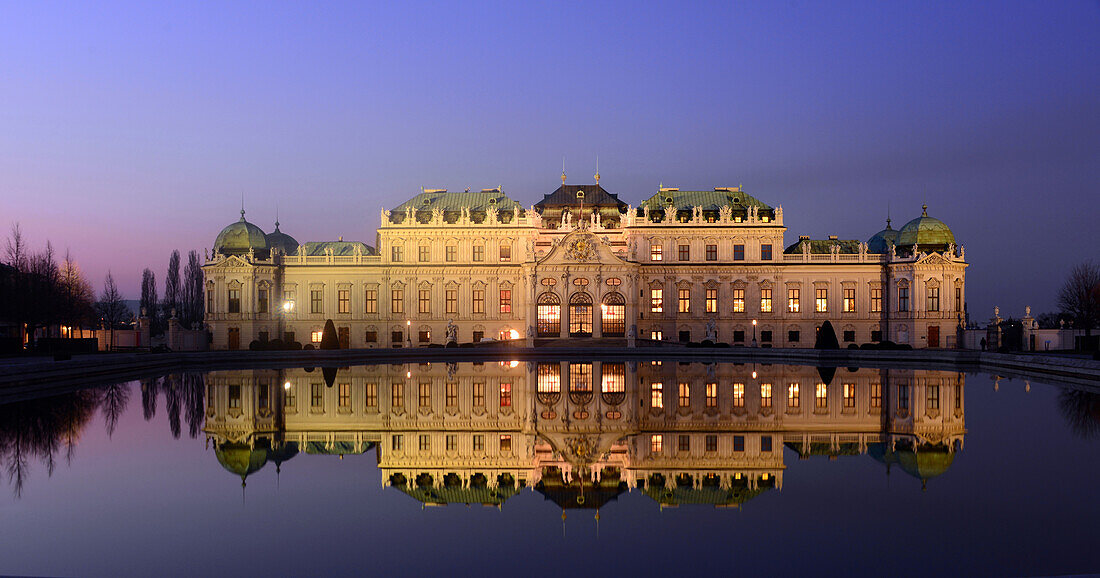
(530, 332)
(996, 311)
(712, 330)
(452, 332)
(205, 254)
(645, 212)
(1027, 311)
(670, 214)
(633, 333)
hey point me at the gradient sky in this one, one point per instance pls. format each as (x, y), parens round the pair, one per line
(127, 130)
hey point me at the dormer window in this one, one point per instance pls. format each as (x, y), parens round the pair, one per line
(580, 194)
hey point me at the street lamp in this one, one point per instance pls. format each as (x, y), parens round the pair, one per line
(754, 334)
(408, 333)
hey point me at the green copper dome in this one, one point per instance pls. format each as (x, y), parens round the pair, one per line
(281, 241)
(240, 237)
(925, 231)
(241, 459)
(880, 241)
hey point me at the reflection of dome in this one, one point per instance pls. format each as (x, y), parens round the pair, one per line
(924, 463)
(880, 241)
(283, 453)
(925, 231)
(239, 237)
(241, 459)
(580, 492)
(281, 241)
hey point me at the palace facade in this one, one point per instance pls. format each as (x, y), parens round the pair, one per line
(684, 266)
(582, 433)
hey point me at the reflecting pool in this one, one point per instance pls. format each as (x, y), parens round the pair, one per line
(543, 467)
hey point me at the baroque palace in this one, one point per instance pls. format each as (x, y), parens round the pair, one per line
(583, 433)
(685, 266)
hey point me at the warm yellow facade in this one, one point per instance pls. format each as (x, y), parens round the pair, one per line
(465, 267)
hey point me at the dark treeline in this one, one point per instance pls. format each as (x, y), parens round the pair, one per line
(47, 429)
(183, 294)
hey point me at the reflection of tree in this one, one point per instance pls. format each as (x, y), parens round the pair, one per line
(195, 386)
(149, 390)
(173, 396)
(39, 427)
(115, 399)
(184, 399)
(1081, 410)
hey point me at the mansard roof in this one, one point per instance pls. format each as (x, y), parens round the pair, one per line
(714, 200)
(339, 248)
(594, 195)
(480, 201)
(824, 246)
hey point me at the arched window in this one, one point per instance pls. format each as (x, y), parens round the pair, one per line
(613, 315)
(580, 315)
(549, 315)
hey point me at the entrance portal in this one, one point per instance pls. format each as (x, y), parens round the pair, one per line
(934, 336)
(580, 315)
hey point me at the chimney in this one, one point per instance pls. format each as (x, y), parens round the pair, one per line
(803, 237)
(832, 237)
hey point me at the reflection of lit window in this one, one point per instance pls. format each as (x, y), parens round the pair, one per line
(479, 442)
(685, 394)
(657, 397)
(425, 397)
(549, 378)
(821, 395)
(738, 395)
(792, 395)
(451, 390)
(580, 377)
(505, 395)
(765, 395)
(371, 395)
(876, 395)
(656, 443)
(849, 395)
(614, 377)
(397, 395)
(505, 442)
(712, 395)
(344, 397)
(933, 397)
(479, 393)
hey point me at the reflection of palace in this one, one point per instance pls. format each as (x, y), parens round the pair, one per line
(582, 433)
(684, 266)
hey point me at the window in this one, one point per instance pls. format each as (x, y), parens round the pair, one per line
(396, 337)
(683, 300)
(657, 396)
(655, 252)
(849, 395)
(371, 396)
(479, 442)
(849, 300)
(765, 395)
(793, 336)
(613, 377)
(711, 300)
(712, 394)
(685, 252)
(424, 397)
(288, 337)
(505, 442)
(478, 301)
(452, 442)
(711, 442)
(613, 312)
(792, 395)
(821, 300)
(685, 337)
(766, 252)
(656, 300)
(765, 443)
(397, 395)
(478, 336)
(235, 396)
(876, 300)
(263, 395)
(397, 300)
(933, 397)
(290, 398)
(343, 301)
(656, 443)
(210, 299)
(849, 336)
(903, 397)
(316, 301)
(397, 442)
(479, 253)
(506, 394)
(685, 394)
(262, 301)
(505, 301)
(712, 252)
(479, 394)
(505, 252)
(315, 336)
(765, 300)
(958, 397)
(425, 443)
(370, 301)
(933, 298)
(424, 300)
(656, 335)
(821, 396)
(424, 253)
(738, 252)
(684, 443)
(548, 312)
(876, 335)
(450, 253)
(450, 298)
(738, 300)
(958, 299)
(234, 300)
(614, 281)
(792, 300)
(316, 396)
(738, 443)
(766, 336)
(903, 299)
(451, 394)
(738, 395)
(738, 335)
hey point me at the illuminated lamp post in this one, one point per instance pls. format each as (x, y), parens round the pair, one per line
(408, 333)
(754, 333)
(288, 307)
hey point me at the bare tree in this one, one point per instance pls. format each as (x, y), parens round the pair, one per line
(149, 302)
(112, 308)
(17, 249)
(1080, 296)
(77, 296)
(172, 285)
(192, 290)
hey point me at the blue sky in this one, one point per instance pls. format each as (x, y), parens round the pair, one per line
(130, 129)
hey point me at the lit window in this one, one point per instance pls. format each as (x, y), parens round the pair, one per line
(656, 335)
(738, 395)
(821, 300)
(315, 336)
(849, 300)
(505, 442)
(478, 301)
(655, 252)
(738, 300)
(505, 395)
(712, 394)
(792, 395)
(765, 250)
(876, 395)
(397, 301)
(684, 252)
(712, 300)
(876, 300)
(656, 300)
(738, 252)
(657, 396)
(505, 301)
(370, 303)
(849, 395)
(765, 300)
(685, 394)
(683, 300)
(765, 395)
(792, 300)
(656, 443)
(613, 377)
(821, 396)
(548, 312)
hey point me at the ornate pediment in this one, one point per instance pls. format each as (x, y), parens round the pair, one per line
(581, 247)
(933, 259)
(231, 262)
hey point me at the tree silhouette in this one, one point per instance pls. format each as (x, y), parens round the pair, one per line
(1080, 296)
